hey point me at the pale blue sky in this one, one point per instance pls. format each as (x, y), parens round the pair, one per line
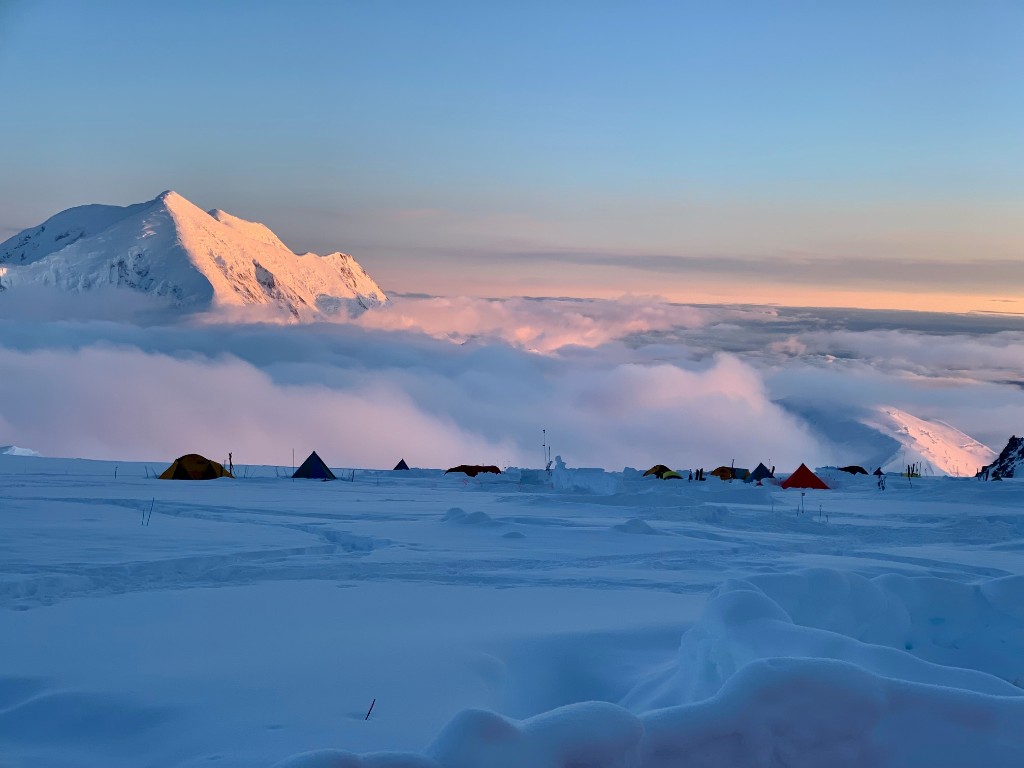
(428, 136)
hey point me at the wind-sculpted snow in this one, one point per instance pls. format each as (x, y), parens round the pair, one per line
(753, 688)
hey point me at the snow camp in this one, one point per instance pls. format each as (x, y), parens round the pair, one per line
(512, 385)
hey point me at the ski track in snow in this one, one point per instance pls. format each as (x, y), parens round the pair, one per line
(74, 544)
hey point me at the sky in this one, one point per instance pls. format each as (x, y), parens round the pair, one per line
(864, 154)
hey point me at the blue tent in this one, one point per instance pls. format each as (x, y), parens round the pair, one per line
(314, 468)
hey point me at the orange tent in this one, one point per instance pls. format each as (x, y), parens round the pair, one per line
(804, 478)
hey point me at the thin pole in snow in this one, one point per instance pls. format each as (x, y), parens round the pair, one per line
(370, 710)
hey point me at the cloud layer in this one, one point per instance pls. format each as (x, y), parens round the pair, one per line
(445, 381)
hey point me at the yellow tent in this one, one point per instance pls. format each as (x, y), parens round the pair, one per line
(192, 466)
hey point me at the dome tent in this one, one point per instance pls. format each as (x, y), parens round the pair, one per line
(192, 466)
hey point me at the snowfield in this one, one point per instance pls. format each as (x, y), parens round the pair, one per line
(586, 620)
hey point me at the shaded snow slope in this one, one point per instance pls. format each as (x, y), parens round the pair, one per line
(196, 261)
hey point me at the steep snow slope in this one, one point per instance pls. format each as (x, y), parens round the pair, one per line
(198, 261)
(890, 438)
(62, 230)
(939, 447)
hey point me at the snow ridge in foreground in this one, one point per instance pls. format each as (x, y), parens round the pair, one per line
(800, 670)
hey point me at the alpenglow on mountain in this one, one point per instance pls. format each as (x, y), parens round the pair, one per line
(195, 260)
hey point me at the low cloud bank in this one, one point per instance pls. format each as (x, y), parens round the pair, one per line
(445, 381)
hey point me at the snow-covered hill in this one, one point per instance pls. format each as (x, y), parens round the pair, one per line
(14, 450)
(938, 447)
(890, 438)
(196, 260)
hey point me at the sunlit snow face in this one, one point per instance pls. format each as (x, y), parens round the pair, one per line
(445, 381)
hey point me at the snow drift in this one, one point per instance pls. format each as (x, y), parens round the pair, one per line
(813, 668)
(191, 259)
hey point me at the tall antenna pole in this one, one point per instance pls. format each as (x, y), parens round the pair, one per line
(544, 449)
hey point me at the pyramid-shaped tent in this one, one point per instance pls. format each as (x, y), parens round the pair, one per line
(804, 478)
(401, 465)
(313, 468)
(761, 472)
(192, 466)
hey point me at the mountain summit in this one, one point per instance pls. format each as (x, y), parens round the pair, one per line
(193, 259)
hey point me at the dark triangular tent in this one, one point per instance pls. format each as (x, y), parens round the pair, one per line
(192, 466)
(761, 472)
(853, 469)
(313, 468)
(878, 472)
(474, 469)
(804, 478)
(401, 465)
(658, 470)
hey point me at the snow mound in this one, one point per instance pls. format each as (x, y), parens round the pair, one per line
(334, 758)
(813, 668)
(13, 450)
(461, 516)
(588, 735)
(1011, 458)
(920, 630)
(636, 525)
(194, 260)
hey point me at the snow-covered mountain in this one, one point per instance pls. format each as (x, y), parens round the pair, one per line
(890, 438)
(13, 450)
(194, 259)
(938, 447)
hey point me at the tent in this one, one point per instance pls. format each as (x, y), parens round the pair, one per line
(853, 469)
(878, 472)
(731, 473)
(192, 466)
(401, 465)
(474, 469)
(761, 472)
(313, 468)
(804, 478)
(671, 475)
(658, 470)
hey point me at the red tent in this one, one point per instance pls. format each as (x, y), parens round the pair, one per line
(804, 478)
